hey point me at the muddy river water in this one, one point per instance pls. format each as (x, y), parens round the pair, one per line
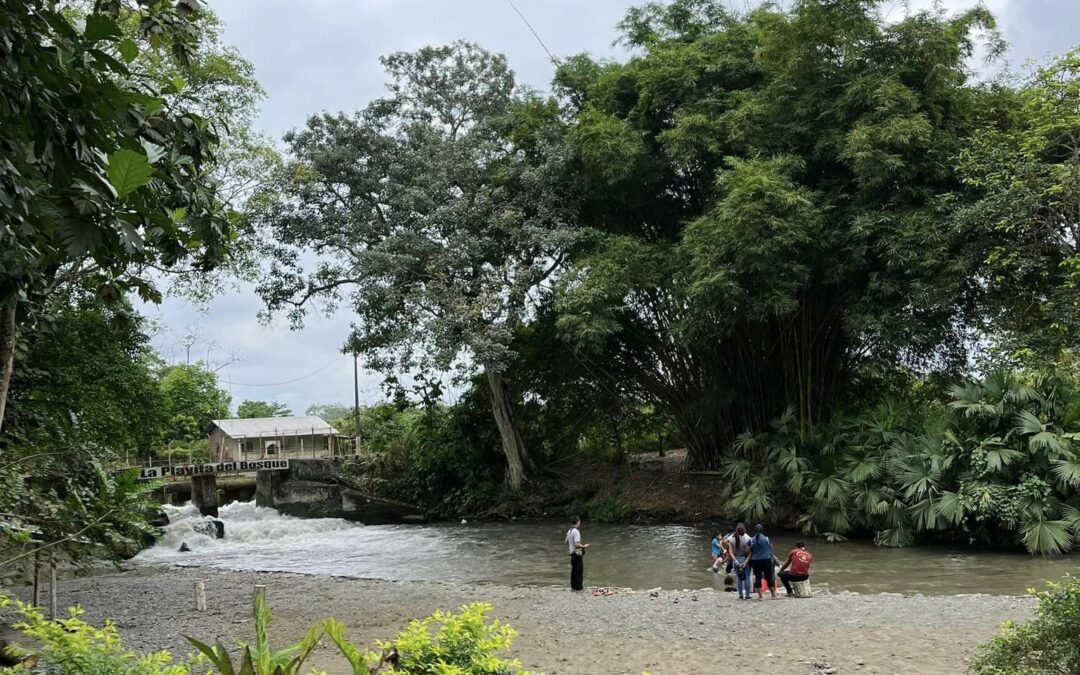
(533, 553)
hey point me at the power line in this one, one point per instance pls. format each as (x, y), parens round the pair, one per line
(278, 384)
(532, 30)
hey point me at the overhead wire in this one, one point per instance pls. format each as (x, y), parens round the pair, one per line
(278, 384)
(533, 31)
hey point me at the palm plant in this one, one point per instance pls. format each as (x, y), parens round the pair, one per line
(998, 464)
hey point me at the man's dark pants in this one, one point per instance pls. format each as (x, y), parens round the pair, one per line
(577, 572)
(786, 577)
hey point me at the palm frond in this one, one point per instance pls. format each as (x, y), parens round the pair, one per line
(1047, 537)
(925, 513)
(831, 490)
(996, 460)
(1068, 472)
(895, 537)
(861, 469)
(950, 508)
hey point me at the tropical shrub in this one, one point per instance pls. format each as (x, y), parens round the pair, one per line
(71, 646)
(465, 643)
(433, 456)
(259, 659)
(996, 465)
(447, 644)
(609, 510)
(1048, 644)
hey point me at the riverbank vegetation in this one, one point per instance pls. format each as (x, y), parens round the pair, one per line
(828, 254)
(126, 146)
(1048, 643)
(462, 643)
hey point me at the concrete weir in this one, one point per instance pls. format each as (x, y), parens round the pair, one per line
(316, 488)
(204, 494)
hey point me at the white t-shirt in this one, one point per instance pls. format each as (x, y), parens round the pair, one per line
(738, 548)
(573, 538)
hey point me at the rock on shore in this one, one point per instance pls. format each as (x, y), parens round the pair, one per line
(664, 632)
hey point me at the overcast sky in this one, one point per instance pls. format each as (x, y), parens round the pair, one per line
(316, 55)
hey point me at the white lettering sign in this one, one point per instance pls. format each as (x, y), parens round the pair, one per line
(154, 472)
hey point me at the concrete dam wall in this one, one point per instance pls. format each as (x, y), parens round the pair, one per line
(316, 488)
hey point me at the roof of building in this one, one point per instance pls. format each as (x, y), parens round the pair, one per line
(269, 427)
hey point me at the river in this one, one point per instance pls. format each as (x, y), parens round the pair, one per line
(532, 553)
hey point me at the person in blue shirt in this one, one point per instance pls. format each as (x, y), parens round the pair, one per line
(718, 555)
(761, 561)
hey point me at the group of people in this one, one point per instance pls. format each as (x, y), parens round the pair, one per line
(740, 554)
(737, 554)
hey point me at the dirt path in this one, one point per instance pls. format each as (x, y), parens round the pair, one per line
(561, 633)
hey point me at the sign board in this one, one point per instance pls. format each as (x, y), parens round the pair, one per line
(179, 471)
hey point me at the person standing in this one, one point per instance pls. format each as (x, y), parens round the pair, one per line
(718, 555)
(797, 566)
(739, 553)
(761, 561)
(577, 555)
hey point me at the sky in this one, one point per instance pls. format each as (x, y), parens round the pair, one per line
(322, 55)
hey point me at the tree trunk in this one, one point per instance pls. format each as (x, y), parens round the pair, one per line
(513, 447)
(7, 354)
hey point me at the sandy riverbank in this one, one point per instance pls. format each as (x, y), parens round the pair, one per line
(675, 633)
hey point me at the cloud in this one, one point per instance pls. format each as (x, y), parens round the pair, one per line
(320, 55)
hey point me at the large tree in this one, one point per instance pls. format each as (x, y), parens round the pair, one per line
(251, 409)
(191, 400)
(87, 378)
(1024, 165)
(441, 209)
(773, 190)
(100, 180)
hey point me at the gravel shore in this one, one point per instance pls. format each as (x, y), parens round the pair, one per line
(669, 632)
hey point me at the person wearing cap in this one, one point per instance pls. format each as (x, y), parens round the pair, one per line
(797, 566)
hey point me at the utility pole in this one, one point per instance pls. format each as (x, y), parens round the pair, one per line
(356, 393)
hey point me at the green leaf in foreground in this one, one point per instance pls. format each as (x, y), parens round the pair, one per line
(100, 27)
(128, 171)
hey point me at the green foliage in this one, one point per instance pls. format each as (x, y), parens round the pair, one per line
(454, 644)
(191, 400)
(86, 376)
(463, 643)
(444, 459)
(259, 659)
(70, 646)
(996, 466)
(251, 409)
(72, 507)
(1047, 644)
(1025, 167)
(101, 179)
(771, 213)
(609, 510)
(453, 209)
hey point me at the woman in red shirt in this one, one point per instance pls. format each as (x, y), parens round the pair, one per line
(797, 566)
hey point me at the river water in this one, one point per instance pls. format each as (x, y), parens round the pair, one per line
(533, 553)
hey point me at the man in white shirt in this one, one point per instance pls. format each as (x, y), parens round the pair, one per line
(577, 555)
